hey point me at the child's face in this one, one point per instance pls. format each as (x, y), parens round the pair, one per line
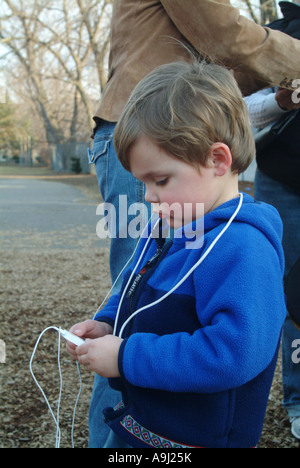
(169, 180)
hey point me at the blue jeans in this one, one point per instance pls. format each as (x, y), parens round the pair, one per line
(113, 181)
(287, 202)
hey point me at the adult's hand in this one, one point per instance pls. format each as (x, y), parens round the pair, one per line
(284, 98)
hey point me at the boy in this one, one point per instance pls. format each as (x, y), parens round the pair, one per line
(196, 330)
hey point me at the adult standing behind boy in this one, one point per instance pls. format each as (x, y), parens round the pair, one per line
(144, 35)
(277, 183)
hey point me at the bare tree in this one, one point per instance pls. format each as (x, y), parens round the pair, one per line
(61, 46)
(261, 11)
(252, 11)
(268, 11)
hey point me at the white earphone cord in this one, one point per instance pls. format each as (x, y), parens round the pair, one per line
(183, 279)
(125, 266)
(56, 419)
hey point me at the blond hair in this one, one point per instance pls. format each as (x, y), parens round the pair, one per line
(185, 108)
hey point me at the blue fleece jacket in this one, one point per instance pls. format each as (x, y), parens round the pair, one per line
(196, 369)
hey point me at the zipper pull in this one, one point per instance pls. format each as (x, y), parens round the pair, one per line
(141, 273)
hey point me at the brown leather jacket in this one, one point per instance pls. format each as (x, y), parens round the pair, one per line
(146, 34)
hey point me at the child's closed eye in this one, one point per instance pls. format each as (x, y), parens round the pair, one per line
(162, 181)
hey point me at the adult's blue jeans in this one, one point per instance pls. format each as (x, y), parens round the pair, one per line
(113, 181)
(287, 202)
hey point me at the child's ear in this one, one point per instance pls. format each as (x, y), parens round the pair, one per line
(220, 158)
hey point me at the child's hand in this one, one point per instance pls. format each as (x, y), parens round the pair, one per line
(88, 329)
(101, 355)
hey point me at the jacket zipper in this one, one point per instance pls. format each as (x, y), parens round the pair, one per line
(139, 276)
(144, 274)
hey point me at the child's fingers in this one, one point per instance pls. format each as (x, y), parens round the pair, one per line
(71, 349)
(82, 354)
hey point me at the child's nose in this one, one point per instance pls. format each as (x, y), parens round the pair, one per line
(150, 196)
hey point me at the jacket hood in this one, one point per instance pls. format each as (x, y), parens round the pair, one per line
(261, 216)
